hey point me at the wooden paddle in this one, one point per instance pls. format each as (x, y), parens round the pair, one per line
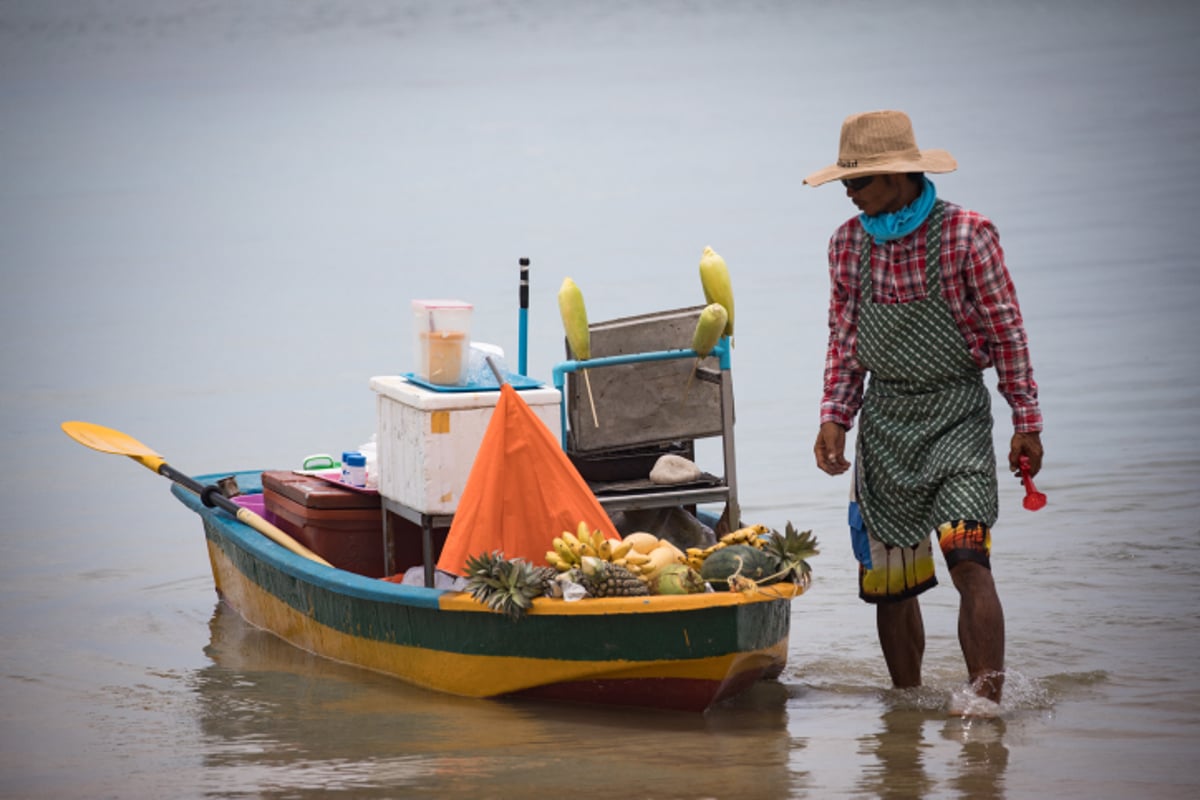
(107, 440)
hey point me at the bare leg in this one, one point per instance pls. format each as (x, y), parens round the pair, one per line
(902, 637)
(980, 628)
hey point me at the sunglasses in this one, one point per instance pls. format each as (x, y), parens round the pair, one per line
(855, 184)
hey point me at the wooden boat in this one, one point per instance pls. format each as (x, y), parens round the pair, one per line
(681, 652)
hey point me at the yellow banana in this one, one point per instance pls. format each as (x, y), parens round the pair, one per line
(636, 559)
(571, 540)
(583, 532)
(709, 329)
(751, 534)
(714, 277)
(564, 551)
(574, 317)
(621, 549)
(586, 549)
(605, 550)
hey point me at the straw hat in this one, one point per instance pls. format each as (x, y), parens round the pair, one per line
(877, 142)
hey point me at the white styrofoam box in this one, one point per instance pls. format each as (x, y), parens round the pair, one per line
(427, 440)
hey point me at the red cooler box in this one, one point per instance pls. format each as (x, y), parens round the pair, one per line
(343, 526)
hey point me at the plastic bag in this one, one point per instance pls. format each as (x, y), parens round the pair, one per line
(478, 371)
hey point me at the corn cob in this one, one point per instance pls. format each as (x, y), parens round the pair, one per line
(714, 277)
(575, 323)
(709, 330)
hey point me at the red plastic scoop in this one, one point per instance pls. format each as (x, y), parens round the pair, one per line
(1033, 498)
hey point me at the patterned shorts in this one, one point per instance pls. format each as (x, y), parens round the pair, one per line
(887, 573)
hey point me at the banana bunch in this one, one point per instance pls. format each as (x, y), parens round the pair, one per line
(643, 554)
(751, 535)
(570, 548)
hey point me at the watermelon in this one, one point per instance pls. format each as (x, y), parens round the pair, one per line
(754, 564)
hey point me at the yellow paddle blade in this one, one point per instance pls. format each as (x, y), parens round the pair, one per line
(107, 440)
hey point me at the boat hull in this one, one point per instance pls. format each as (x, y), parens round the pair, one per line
(678, 652)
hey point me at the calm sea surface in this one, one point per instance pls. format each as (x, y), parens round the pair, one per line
(214, 216)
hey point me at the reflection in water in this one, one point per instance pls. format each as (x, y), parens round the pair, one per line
(910, 766)
(277, 720)
(899, 748)
(984, 758)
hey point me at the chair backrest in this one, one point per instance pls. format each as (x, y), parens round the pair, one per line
(646, 403)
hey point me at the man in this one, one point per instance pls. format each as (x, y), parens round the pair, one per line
(922, 302)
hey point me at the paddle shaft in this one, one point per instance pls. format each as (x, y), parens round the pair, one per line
(212, 496)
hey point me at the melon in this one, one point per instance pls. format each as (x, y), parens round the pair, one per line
(753, 563)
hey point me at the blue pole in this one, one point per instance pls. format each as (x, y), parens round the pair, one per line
(523, 320)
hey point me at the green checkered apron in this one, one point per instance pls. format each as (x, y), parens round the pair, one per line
(924, 446)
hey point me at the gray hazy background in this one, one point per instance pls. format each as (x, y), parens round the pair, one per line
(214, 216)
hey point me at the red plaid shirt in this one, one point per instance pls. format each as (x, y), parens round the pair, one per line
(975, 284)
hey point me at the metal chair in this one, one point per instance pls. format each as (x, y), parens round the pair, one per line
(644, 402)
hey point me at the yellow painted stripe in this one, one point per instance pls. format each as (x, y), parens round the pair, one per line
(661, 603)
(468, 675)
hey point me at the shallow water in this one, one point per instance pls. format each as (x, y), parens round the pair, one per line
(213, 216)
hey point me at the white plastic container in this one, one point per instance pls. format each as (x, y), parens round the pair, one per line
(442, 337)
(427, 440)
(354, 469)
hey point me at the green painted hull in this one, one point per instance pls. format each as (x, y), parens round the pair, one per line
(669, 652)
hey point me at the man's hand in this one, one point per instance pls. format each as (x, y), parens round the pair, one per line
(1028, 445)
(831, 447)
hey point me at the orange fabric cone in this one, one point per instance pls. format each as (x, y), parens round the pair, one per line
(521, 493)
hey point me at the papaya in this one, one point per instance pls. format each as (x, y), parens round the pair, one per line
(641, 541)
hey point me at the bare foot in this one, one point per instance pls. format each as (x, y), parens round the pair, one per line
(965, 703)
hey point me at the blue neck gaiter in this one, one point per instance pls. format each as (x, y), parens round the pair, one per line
(885, 227)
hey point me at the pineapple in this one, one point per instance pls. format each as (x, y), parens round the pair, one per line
(507, 587)
(792, 549)
(612, 580)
